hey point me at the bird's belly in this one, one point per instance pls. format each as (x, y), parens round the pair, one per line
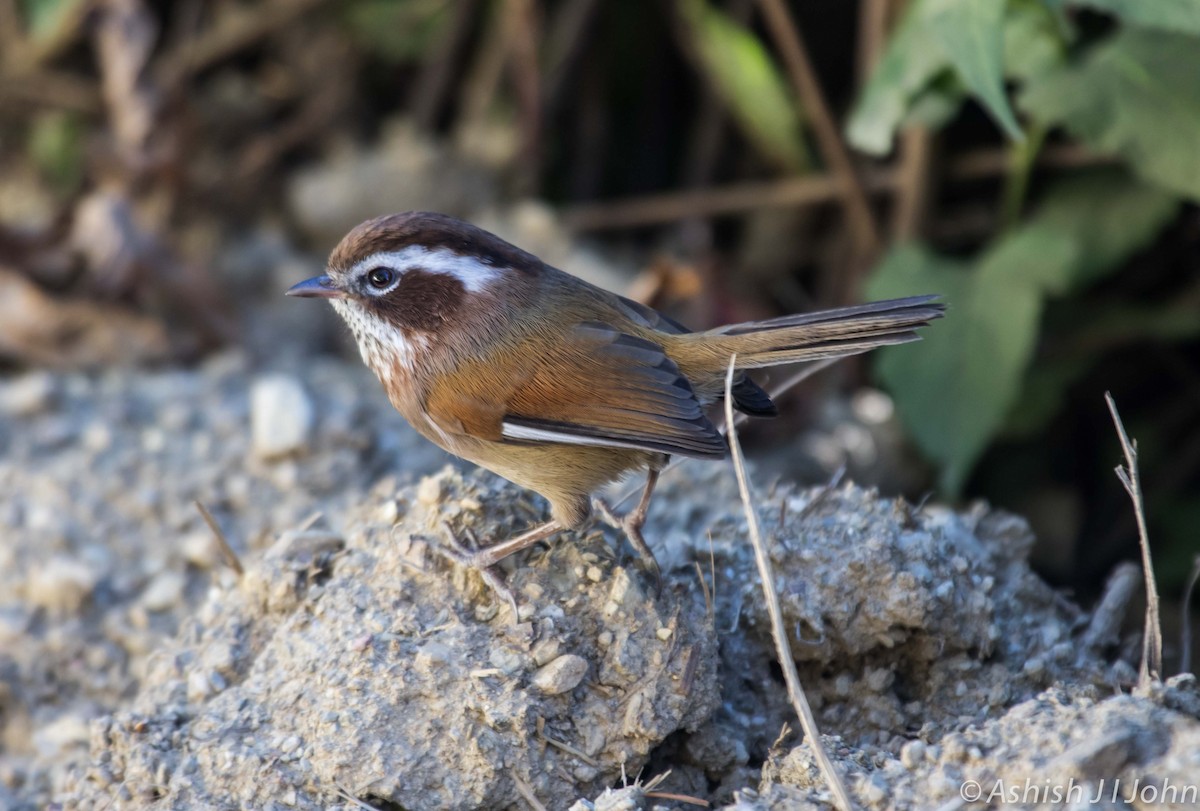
(565, 475)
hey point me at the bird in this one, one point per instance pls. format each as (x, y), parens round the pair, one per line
(554, 383)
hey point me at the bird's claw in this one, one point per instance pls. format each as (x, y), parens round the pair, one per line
(632, 530)
(456, 552)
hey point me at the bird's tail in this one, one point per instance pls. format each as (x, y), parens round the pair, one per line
(815, 336)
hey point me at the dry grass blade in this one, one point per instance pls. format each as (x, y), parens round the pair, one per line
(1151, 667)
(345, 794)
(795, 690)
(1185, 646)
(227, 553)
(526, 791)
(679, 798)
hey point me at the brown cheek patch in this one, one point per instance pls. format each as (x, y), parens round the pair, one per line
(421, 301)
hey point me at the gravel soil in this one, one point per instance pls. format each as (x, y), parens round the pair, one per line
(349, 663)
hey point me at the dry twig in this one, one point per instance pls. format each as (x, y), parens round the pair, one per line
(345, 794)
(829, 138)
(227, 553)
(526, 791)
(778, 630)
(1151, 667)
(437, 68)
(679, 798)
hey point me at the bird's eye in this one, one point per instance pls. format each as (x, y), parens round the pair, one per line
(381, 277)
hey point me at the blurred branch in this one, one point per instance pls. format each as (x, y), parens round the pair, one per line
(237, 28)
(913, 182)
(124, 38)
(565, 36)
(478, 89)
(874, 18)
(524, 30)
(825, 128)
(740, 197)
(51, 88)
(987, 163)
(977, 165)
(438, 66)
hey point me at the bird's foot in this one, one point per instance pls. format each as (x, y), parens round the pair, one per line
(456, 551)
(630, 525)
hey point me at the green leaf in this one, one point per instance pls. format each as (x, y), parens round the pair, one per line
(971, 33)
(1033, 41)
(1170, 15)
(748, 81)
(961, 39)
(912, 60)
(1135, 95)
(955, 389)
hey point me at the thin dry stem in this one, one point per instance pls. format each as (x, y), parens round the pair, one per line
(437, 69)
(783, 30)
(679, 798)
(778, 630)
(345, 794)
(526, 792)
(227, 554)
(1151, 667)
(809, 190)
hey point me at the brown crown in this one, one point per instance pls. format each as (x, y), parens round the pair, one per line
(393, 232)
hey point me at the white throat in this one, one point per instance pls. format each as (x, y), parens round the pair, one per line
(385, 349)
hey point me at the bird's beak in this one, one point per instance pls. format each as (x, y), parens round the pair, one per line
(316, 287)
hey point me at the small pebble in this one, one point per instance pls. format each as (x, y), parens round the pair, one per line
(164, 591)
(281, 416)
(507, 660)
(546, 651)
(61, 586)
(560, 675)
(27, 395)
(912, 754)
(429, 491)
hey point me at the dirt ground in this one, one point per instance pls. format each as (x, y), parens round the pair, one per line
(349, 665)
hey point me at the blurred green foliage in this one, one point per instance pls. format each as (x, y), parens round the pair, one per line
(397, 31)
(745, 74)
(1128, 92)
(45, 17)
(56, 148)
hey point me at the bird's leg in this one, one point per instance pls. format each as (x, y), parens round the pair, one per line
(631, 524)
(484, 560)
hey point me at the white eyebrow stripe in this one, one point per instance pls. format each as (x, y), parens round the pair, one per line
(474, 274)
